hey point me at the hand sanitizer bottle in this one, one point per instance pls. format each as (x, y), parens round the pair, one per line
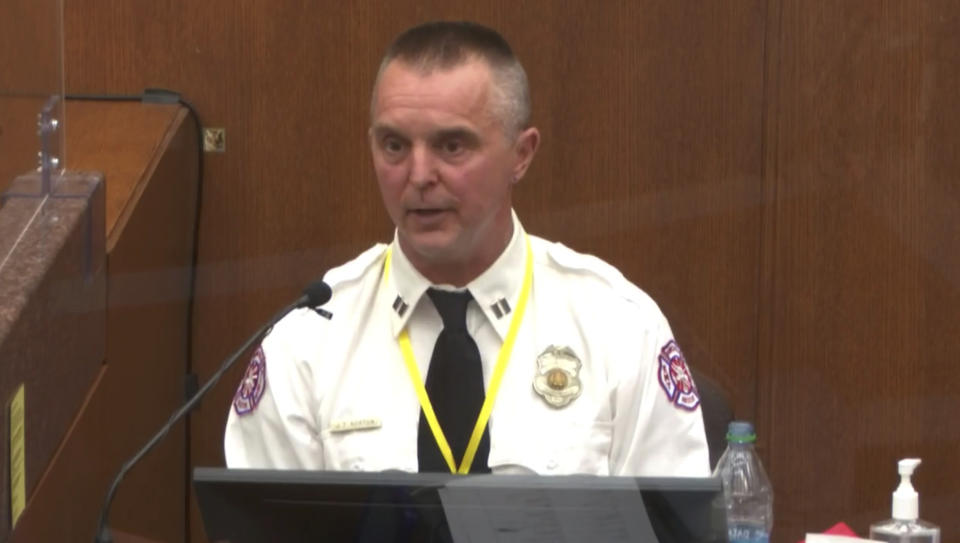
(905, 526)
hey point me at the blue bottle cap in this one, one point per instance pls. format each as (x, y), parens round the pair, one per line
(741, 431)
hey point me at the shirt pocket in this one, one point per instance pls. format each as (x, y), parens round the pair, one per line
(372, 449)
(557, 449)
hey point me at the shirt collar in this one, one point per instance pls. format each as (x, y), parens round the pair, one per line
(495, 290)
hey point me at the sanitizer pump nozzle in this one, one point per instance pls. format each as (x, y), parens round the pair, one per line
(905, 500)
(905, 526)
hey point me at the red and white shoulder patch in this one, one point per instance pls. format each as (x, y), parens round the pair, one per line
(675, 378)
(252, 386)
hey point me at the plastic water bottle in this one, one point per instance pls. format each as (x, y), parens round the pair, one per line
(747, 493)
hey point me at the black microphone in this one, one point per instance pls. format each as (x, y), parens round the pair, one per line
(316, 294)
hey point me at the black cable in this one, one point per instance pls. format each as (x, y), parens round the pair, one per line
(195, 259)
(163, 96)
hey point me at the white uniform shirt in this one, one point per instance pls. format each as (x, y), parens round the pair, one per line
(334, 393)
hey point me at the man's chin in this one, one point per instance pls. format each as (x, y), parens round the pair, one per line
(429, 246)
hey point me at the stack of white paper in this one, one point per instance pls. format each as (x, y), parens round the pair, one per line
(822, 538)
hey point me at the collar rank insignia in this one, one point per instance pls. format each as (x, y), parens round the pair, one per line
(253, 384)
(675, 378)
(400, 306)
(557, 380)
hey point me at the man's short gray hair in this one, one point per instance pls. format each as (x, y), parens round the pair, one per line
(446, 45)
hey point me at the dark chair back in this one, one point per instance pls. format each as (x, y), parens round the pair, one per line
(717, 414)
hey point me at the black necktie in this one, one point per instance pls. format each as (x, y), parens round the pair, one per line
(455, 387)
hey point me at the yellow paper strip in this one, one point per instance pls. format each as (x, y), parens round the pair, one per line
(18, 482)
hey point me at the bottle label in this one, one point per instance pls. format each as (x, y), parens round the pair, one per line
(745, 533)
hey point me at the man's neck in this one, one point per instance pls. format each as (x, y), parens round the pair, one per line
(458, 272)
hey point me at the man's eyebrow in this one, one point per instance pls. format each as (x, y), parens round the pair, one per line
(457, 132)
(383, 129)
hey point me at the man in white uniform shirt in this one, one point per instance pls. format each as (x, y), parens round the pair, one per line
(551, 363)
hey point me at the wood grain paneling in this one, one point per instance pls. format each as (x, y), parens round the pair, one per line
(31, 47)
(656, 169)
(149, 272)
(31, 71)
(124, 140)
(864, 311)
(18, 137)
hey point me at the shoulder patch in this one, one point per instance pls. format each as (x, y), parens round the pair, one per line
(356, 268)
(675, 378)
(253, 384)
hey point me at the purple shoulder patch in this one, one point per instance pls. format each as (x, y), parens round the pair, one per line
(252, 386)
(675, 378)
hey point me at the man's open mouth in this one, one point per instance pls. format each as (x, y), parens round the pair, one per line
(427, 212)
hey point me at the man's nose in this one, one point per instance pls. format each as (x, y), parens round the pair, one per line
(423, 171)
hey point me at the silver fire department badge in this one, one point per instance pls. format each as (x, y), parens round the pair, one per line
(557, 380)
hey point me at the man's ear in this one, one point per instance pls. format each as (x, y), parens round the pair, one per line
(525, 147)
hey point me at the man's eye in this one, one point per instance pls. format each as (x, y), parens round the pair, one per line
(452, 147)
(392, 145)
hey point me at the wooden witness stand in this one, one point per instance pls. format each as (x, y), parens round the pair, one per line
(132, 367)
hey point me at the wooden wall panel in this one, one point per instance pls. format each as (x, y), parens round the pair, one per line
(18, 141)
(31, 70)
(30, 56)
(150, 250)
(863, 332)
(652, 160)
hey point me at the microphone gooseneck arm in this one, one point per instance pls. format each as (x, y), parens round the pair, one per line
(316, 294)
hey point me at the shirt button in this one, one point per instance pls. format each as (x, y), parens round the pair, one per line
(552, 465)
(356, 467)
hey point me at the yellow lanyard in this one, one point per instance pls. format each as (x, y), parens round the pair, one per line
(502, 359)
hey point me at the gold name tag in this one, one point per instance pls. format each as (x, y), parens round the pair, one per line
(355, 424)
